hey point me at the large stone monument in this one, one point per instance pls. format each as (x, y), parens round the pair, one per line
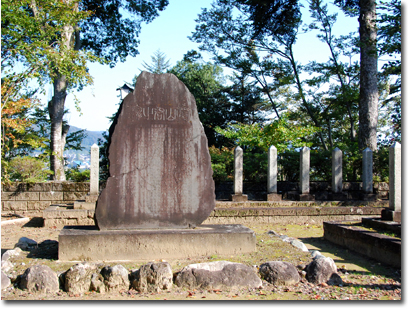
(160, 187)
(160, 169)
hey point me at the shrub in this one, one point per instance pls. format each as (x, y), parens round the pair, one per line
(76, 175)
(28, 169)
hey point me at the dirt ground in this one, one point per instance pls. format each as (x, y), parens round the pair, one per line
(363, 278)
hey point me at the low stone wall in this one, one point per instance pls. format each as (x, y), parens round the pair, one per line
(321, 189)
(32, 199)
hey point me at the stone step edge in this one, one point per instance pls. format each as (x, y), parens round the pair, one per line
(378, 223)
(382, 248)
(295, 211)
(230, 204)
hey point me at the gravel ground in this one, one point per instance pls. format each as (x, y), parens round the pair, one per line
(363, 278)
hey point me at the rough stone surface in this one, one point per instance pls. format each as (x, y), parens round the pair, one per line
(220, 274)
(153, 277)
(300, 245)
(97, 283)
(9, 253)
(6, 266)
(320, 270)
(41, 279)
(115, 278)
(25, 243)
(159, 163)
(279, 273)
(78, 278)
(5, 281)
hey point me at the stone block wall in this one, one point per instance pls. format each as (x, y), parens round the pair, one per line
(321, 189)
(32, 199)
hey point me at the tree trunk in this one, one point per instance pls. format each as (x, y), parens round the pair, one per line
(69, 40)
(368, 100)
(57, 137)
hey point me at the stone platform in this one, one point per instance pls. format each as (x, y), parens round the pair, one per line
(380, 247)
(87, 243)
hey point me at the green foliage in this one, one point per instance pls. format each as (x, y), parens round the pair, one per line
(76, 175)
(222, 163)
(282, 133)
(206, 82)
(159, 63)
(28, 169)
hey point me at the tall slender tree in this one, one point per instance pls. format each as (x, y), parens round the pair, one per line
(369, 93)
(85, 30)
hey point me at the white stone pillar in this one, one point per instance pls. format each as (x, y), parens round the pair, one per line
(305, 170)
(92, 197)
(367, 171)
(238, 170)
(238, 195)
(395, 177)
(94, 172)
(272, 194)
(272, 170)
(337, 170)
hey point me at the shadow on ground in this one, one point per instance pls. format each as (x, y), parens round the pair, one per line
(347, 256)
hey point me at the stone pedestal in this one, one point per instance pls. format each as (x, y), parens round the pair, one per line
(239, 197)
(274, 197)
(81, 204)
(337, 196)
(305, 197)
(79, 243)
(368, 197)
(391, 215)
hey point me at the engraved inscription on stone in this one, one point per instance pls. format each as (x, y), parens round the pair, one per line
(159, 163)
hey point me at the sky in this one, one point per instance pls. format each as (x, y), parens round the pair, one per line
(168, 32)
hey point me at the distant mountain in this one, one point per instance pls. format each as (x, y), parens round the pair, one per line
(91, 139)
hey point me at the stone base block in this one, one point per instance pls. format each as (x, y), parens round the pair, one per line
(368, 197)
(91, 198)
(87, 243)
(337, 196)
(239, 197)
(273, 197)
(84, 205)
(301, 196)
(391, 215)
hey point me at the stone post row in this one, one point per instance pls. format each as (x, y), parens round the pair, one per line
(238, 195)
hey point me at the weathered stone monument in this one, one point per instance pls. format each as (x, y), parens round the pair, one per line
(160, 187)
(160, 169)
